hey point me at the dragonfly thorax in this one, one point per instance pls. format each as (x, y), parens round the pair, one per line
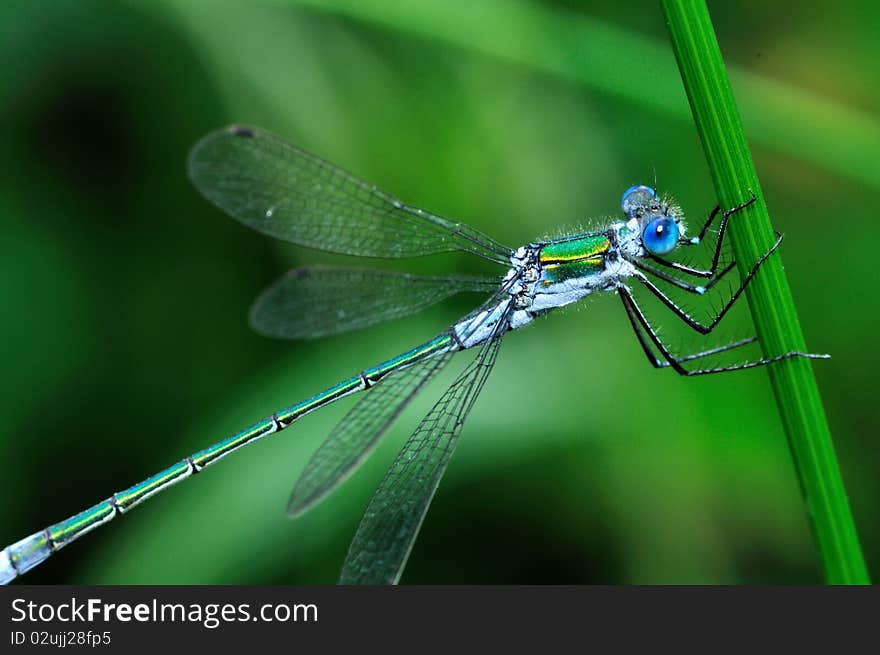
(573, 267)
(545, 276)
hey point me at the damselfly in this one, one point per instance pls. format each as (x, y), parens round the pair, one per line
(285, 192)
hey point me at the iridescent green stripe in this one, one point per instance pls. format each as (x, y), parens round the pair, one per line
(441, 343)
(133, 495)
(577, 269)
(211, 454)
(574, 249)
(289, 415)
(66, 531)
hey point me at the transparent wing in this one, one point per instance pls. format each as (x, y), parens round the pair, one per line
(391, 523)
(315, 302)
(285, 192)
(354, 438)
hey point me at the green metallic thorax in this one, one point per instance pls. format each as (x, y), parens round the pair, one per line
(573, 258)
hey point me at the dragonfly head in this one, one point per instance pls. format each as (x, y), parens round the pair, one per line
(662, 229)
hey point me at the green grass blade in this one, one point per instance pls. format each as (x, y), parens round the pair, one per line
(797, 395)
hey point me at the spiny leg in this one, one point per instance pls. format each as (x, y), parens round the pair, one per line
(702, 235)
(648, 335)
(687, 318)
(722, 230)
(678, 282)
(716, 350)
(656, 362)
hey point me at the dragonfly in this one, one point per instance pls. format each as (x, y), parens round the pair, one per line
(285, 192)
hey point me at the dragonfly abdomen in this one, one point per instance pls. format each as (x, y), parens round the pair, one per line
(36, 548)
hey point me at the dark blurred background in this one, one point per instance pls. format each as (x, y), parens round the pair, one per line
(125, 342)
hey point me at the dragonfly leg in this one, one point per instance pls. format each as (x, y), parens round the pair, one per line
(698, 289)
(647, 335)
(661, 362)
(706, 328)
(644, 340)
(702, 235)
(722, 231)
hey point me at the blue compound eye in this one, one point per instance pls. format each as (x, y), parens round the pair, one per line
(660, 236)
(637, 196)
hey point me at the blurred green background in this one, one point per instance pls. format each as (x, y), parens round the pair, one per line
(125, 343)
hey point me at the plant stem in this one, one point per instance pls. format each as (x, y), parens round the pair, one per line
(797, 395)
